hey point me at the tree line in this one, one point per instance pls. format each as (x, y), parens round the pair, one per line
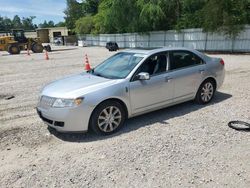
(121, 16)
(26, 23)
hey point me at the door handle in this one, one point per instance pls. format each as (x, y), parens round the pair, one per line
(201, 71)
(168, 79)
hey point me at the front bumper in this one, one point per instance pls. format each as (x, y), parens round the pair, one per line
(66, 119)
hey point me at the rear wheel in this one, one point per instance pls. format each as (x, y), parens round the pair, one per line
(205, 92)
(107, 118)
(14, 49)
(37, 48)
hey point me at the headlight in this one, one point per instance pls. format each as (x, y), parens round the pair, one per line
(62, 103)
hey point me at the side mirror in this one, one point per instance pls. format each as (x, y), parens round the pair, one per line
(143, 76)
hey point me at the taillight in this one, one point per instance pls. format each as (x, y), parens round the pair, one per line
(222, 62)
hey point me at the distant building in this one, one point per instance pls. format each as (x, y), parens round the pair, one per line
(30, 34)
(47, 35)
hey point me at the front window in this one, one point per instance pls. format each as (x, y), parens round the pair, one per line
(118, 66)
(155, 64)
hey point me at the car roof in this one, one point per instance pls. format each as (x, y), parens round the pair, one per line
(155, 50)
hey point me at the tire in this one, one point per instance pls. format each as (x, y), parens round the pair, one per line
(102, 122)
(14, 49)
(116, 47)
(206, 92)
(37, 48)
(47, 48)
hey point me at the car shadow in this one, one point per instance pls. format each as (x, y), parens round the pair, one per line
(159, 116)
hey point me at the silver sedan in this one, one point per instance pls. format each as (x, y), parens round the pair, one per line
(128, 84)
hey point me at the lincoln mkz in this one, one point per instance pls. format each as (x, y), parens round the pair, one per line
(129, 83)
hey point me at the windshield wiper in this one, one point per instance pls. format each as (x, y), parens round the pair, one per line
(91, 71)
(103, 76)
(98, 74)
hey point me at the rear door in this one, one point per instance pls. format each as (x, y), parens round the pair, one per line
(187, 70)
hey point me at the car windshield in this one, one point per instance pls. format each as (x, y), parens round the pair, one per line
(117, 66)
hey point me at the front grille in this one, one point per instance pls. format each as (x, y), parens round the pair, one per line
(51, 122)
(47, 120)
(59, 123)
(43, 118)
(46, 101)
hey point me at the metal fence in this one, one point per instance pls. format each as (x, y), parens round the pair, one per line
(190, 38)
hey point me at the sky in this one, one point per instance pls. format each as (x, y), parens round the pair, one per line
(42, 9)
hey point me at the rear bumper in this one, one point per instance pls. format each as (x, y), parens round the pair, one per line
(220, 78)
(66, 119)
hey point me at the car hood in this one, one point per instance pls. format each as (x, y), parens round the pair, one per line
(76, 85)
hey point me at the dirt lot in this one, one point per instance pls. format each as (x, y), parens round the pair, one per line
(182, 146)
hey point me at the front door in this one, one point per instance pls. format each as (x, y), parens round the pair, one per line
(157, 91)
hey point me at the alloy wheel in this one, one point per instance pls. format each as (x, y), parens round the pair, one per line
(207, 92)
(109, 119)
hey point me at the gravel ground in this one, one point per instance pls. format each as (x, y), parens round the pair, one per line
(187, 145)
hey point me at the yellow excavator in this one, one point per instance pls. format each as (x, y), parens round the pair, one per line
(16, 41)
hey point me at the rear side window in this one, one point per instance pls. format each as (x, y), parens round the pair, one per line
(182, 59)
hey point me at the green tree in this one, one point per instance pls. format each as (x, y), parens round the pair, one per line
(248, 11)
(7, 24)
(60, 24)
(90, 7)
(117, 16)
(2, 27)
(16, 22)
(227, 16)
(84, 25)
(172, 10)
(43, 25)
(191, 14)
(27, 23)
(73, 12)
(51, 23)
(103, 20)
(124, 15)
(151, 17)
(46, 24)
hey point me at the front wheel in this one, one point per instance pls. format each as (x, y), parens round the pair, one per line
(37, 48)
(107, 118)
(14, 49)
(205, 92)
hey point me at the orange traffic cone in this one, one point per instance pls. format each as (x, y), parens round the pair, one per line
(28, 51)
(46, 55)
(87, 65)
